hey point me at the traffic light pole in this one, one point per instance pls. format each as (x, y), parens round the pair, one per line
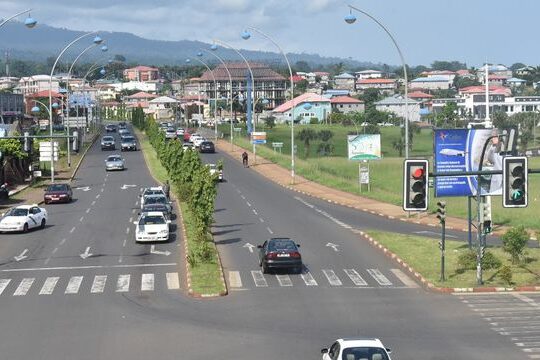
(441, 215)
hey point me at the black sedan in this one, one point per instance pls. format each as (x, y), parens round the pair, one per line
(280, 253)
(207, 147)
(110, 128)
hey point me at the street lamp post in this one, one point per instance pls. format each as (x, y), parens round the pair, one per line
(36, 109)
(30, 22)
(350, 19)
(97, 40)
(246, 35)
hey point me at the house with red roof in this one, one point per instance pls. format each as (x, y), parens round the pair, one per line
(141, 73)
(346, 104)
(42, 96)
(387, 86)
(140, 99)
(303, 108)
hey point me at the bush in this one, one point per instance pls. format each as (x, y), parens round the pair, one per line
(204, 252)
(313, 120)
(514, 242)
(505, 274)
(490, 261)
(467, 261)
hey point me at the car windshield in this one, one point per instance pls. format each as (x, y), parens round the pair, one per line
(17, 212)
(128, 139)
(155, 200)
(285, 244)
(57, 187)
(114, 158)
(152, 220)
(108, 138)
(364, 353)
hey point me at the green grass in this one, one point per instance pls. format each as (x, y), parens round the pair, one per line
(386, 174)
(205, 277)
(424, 256)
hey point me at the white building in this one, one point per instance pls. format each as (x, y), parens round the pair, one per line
(8, 82)
(36, 83)
(368, 74)
(396, 105)
(345, 81)
(431, 83)
(388, 86)
(146, 86)
(163, 107)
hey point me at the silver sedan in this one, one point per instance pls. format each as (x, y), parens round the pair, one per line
(114, 162)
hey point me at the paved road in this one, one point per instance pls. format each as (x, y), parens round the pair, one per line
(124, 302)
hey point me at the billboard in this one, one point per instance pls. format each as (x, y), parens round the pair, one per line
(461, 150)
(364, 147)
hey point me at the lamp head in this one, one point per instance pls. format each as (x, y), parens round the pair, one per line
(35, 109)
(199, 54)
(104, 48)
(265, 101)
(188, 61)
(30, 22)
(55, 105)
(214, 47)
(98, 40)
(350, 18)
(246, 35)
(102, 71)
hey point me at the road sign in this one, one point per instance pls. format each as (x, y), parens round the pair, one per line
(46, 152)
(237, 129)
(277, 144)
(258, 137)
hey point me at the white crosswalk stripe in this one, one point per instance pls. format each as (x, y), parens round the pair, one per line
(332, 277)
(284, 280)
(49, 285)
(147, 282)
(122, 284)
(24, 286)
(172, 281)
(379, 277)
(235, 281)
(259, 279)
(99, 284)
(74, 285)
(355, 277)
(309, 280)
(3, 284)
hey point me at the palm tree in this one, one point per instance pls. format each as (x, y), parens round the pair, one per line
(307, 135)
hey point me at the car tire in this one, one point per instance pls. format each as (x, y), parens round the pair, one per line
(46, 202)
(264, 269)
(43, 222)
(25, 228)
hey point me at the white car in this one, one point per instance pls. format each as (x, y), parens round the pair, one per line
(356, 348)
(22, 218)
(214, 169)
(188, 145)
(196, 140)
(152, 226)
(180, 132)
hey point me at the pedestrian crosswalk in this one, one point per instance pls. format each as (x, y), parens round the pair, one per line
(93, 284)
(324, 277)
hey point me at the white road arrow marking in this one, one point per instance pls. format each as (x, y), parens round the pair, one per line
(333, 246)
(124, 187)
(86, 254)
(157, 252)
(83, 188)
(21, 256)
(249, 246)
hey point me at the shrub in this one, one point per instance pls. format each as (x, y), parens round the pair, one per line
(204, 252)
(313, 120)
(505, 274)
(467, 260)
(514, 242)
(490, 261)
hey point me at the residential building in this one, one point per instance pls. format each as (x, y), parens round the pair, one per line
(106, 92)
(8, 82)
(345, 81)
(141, 73)
(386, 86)
(11, 107)
(140, 99)
(431, 83)
(269, 84)
(146, 86)
(368, 74)
(440, 74)
(306, 106)
(335, 92)
(323, 77)
(420, 96)
(396, 104)
(466, 74)
(497, 80)
(36, 83)
(524, 71)
(163, 107)
(346, 104)
(498, 70)
(516, 83)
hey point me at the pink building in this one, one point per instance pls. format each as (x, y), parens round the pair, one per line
(141, 73)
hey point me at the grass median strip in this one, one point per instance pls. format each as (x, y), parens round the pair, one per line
(206, 278)
(424, 256)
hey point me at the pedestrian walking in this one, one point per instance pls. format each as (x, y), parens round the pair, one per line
(245, 159)
(166, 188)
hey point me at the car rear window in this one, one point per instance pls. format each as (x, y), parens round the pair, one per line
(57, 187)
(274, 245)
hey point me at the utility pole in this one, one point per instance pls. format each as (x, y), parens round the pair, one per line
(441, 215)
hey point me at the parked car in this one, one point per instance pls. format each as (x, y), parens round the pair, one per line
(170, 133)
(152, 226)
(207, 147)
(161, 208)
(280, 253)
(108, 143)
(22, 218)
(110, 128)
(356, 348)
(214, 169)
(114, 162)
(128, 143)
(55, 193)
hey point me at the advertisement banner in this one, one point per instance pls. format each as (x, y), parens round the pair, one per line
(364, 147)
(461, 150)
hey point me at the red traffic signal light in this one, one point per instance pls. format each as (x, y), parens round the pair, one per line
(415, 185)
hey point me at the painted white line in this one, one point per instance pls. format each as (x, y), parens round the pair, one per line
(255, 212)
(93, 203)
(24, 286)
(47, 260)
(259, 279)
(379, 277)
(99, 284)
(49, 285)
(147, 282)
(102, 189)
(407, 281)
(243, 197)
(332, 277)
(127, 230)
(133, 211)
(235, 280)
(87, 210)
(248, 203)
(130, 220)
(97, 196)
(62, 242)
(284, 280)
(54, 250)
(72, 230)
(120, 259)
(81, 219)
(269, 230)
(308, 279)
(3, 284)
(261, 220)
(172, 281)
(89, 267)
(124, 243)
(74, 284)
(136, 202)
(355, 277)
(122, 284)
(238, 191)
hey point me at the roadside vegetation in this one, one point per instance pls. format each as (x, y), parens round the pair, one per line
(196, 191)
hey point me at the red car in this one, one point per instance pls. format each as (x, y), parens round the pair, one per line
(58, 193)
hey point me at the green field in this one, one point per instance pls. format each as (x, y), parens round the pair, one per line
(386, 174)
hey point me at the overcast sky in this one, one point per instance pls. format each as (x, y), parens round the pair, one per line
(471, 31)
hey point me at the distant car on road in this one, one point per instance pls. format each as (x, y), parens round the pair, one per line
(22, 218)
(207, 147)
(56, 193)
(114, 162)
(124, 132)
(153, 190)
(152, 226)
(122, 125)
(188, 145)
(170, 133)
(356, 348)
(180, 132)
(280, 253)
(214, 170)
(128, 143)
(108, 143)
(110, 128)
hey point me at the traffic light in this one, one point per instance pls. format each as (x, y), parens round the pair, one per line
(515, 181)
(415, 185)
(486, 214)
(441, 211)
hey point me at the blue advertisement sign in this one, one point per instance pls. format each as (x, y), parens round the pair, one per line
(461, 150)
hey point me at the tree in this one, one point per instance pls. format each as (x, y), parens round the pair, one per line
(120, 58)
(12, 152)
(370, 96)
(448, 65)
(325, 135)
(269, 122)
(462, 82)
(300, 87)
(500, 120)
(514, 242)
(516, 66)
(399, 146)
(448, 117)
(307, 135)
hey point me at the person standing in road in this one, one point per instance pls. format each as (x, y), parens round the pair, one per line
(245, 159)
(167, 188)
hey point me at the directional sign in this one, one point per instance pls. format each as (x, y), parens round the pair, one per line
(86, 254)
(45, 151)
(124, 187)
(21, 256)
(249, 247)
(258, 137)
(157, 252)
(333, 246)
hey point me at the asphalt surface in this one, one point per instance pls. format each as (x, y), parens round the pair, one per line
(125, 302)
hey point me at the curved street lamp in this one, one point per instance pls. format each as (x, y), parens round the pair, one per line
(29, 22)
(246, 35)
(351, 19)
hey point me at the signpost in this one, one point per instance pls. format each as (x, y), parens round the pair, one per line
(277, 145)
(46, 151)
(363, 148)
(258, 137)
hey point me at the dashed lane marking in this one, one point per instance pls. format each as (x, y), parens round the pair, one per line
(88, 210)
(147, 282)
(99, 284)
(49, 285)
(309, 279)
(24, 286)
(379, 277)
(72, 230)
(3, 284)
(269, 230)
(235, 280)
(122, 285)
(74, 285)
(284, 280)
(355, 277)
(332, 277)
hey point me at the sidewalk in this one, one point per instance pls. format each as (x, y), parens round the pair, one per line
(282, 177)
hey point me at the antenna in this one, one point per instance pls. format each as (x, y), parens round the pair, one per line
(7, 63)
